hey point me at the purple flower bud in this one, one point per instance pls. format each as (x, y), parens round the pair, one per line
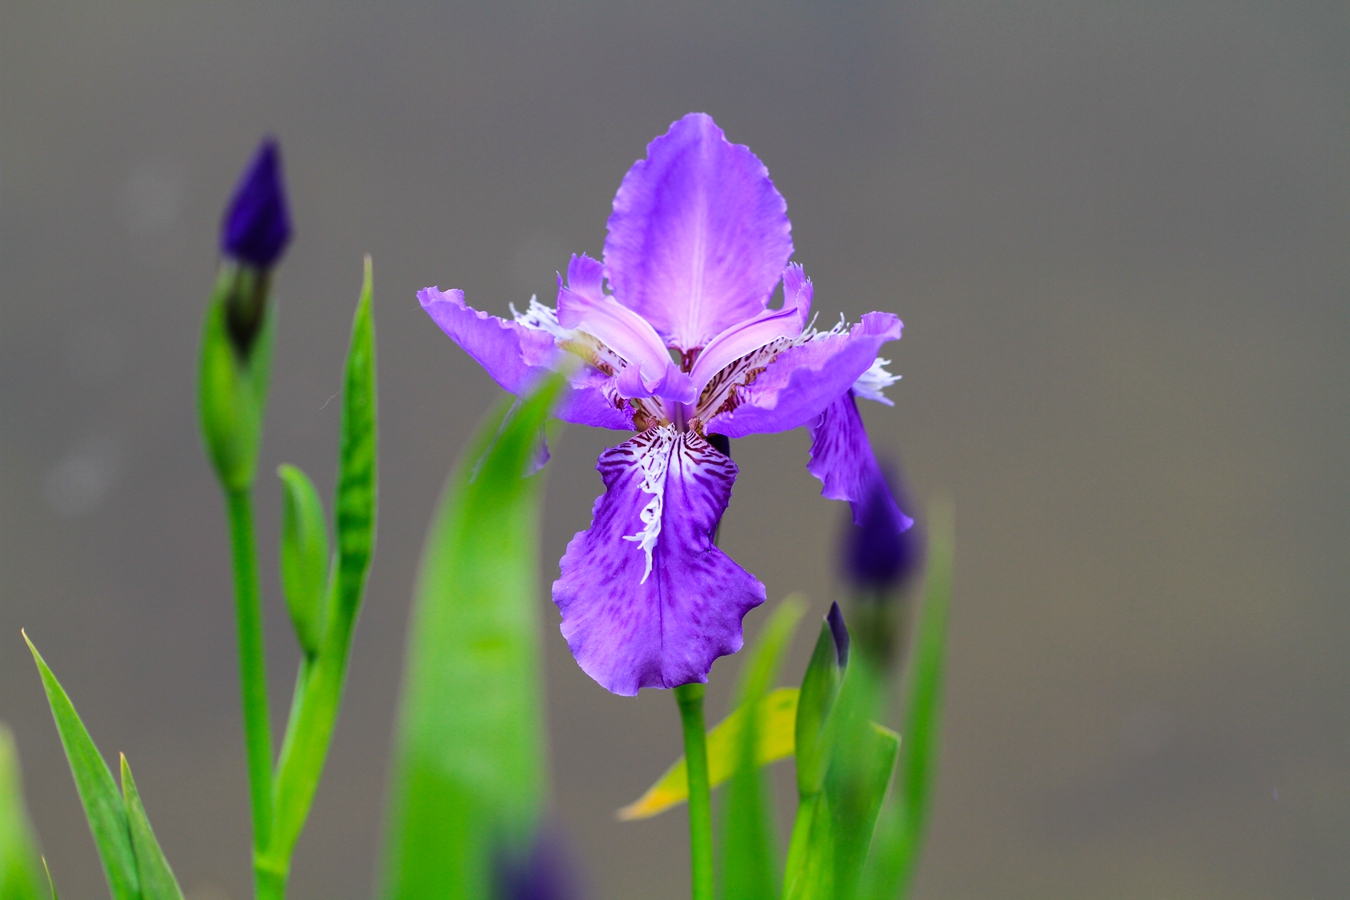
(838, 631)
(546, 872)
(257, 223)
(883, 550)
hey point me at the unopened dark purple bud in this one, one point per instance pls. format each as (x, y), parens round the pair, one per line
(838, 631)
(546, 873)
(257, 223)
(882, 550)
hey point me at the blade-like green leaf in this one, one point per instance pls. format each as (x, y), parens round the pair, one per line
(749, 843)
(895, 856)
(157, 881)
(820, 688)
(777, 713)
(469, 764)
(19, 877)
(318, 691)
(354, 507)
(304, 556)
(51, 885)
(98, 792)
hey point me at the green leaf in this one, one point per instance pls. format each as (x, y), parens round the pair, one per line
(51, 885)
(19, 879)
(469, 761)
(820, 688)
(354, 508)
(749, 854)
(777, 713)
(102, 801)
(319, 685)
(900, 836)
(304, 556)
(232, 389)
(157, 881)
(854, 791)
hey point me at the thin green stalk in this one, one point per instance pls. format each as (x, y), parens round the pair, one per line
(252, 668)
(690, 699)
(269, 884)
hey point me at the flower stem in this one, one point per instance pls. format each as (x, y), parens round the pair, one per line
(252, 666)
(690, 699)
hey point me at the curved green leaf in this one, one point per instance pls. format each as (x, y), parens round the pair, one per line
(304, 556)
(777, 713)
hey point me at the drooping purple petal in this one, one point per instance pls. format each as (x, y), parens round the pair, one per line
(517, 357)
(647, 600)
(802, 381)
(842, 458)
(699, 235)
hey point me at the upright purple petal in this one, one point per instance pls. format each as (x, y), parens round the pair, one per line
(699, 235)
(517, 357)
(802, 381)
(742, 338)
(842, 458)
(584, 307)
(647, 600)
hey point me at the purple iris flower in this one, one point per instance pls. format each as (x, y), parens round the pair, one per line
(684, 345)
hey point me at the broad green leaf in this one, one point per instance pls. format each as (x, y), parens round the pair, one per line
(102, 801)
(469, 758)
(854, 790)
(318, 690)
(835, 827)
(157, 881)
(895, 855)
(19, 878)
(777, 714)
(749, 842)
(232, 390)
(820, 688)
(304, 556)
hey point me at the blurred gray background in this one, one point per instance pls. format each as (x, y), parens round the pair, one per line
(1117, 234)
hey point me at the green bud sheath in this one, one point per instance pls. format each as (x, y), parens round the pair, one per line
(236, 357)
(304, 556)
(820, 688)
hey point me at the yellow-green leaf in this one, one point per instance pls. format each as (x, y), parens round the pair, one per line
(777, 723)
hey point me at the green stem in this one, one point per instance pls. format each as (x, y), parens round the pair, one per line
(690, 699)
(252, 669)
(269, 884)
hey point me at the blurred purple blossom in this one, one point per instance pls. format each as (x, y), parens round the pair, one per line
(881, 552)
